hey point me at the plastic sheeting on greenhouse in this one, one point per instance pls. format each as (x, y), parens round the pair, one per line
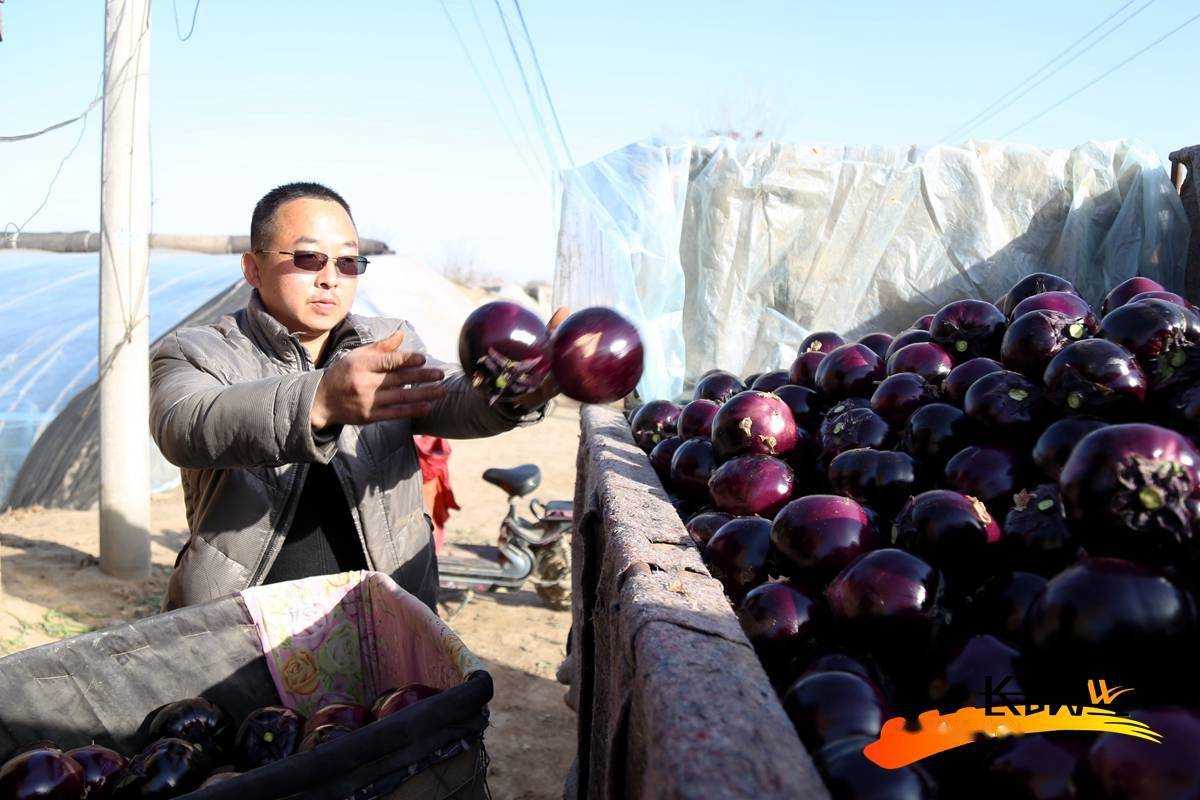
(727, 254)
(48, 354)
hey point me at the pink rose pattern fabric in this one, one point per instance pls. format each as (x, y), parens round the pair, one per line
(350, 637)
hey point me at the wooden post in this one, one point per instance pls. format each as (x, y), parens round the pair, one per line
(124, 270)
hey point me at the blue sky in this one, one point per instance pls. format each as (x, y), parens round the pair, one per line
(378, 99)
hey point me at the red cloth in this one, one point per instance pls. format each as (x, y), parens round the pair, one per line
(433, 454)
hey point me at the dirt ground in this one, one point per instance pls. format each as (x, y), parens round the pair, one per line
(52, 588)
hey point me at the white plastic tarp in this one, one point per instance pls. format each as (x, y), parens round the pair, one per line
(727, 254)
(49, 331)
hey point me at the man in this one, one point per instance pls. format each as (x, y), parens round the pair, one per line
(292, 419)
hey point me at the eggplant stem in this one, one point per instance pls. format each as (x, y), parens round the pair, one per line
(1151, 497)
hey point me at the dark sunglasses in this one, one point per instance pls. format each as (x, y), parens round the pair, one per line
(315, 262)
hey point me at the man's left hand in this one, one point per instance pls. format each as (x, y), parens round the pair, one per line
(549, 387)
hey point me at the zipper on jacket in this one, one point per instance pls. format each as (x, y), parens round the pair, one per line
(276, 542)
(277, 539)
(362, 536)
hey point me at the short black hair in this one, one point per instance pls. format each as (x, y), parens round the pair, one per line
(263, 219)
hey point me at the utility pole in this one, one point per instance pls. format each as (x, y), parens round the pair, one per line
(124, 268)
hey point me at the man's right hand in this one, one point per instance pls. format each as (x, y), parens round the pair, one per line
(375, 382)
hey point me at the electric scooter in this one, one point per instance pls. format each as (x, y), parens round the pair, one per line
(534, 551)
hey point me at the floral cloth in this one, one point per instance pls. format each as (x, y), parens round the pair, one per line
(350, 637)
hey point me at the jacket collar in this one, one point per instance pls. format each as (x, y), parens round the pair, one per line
(273, 338)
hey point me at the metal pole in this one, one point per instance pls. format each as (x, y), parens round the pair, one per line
(124, 264)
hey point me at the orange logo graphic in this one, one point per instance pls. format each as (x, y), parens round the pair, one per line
(897, 746)
(1103, 696)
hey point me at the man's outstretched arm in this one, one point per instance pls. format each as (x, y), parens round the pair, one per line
(200, 421)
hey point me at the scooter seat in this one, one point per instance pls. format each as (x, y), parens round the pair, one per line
(518, 481)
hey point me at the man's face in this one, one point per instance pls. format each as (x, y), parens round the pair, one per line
(309, 304)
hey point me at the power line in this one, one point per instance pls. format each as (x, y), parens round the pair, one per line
(512, 102)
(540, 123)
(192, 28)
(484, 88)
(967, 125)
(542, 79)
(984, 116)
(50, 188)
(23, 136)
(1101, 76)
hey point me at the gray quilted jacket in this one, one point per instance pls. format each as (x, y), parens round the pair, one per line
(230, 405)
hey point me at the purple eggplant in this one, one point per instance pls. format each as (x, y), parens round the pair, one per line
(926, 359)
(753, 422)
(1007, 405)
(737, 555)
(654, 421)
(750, 485)
(956, 384)
(267, 735)
(1054, 446)
(816, 536)
(803, 371)
(1031, 285)
(777, 618)
(1109, 616)
(718, 386)
(991, 473)
(905, 338)
(1126, 291)
(804, 403)
(198, 721)
(1126, 489)
(881, 479)
(1034, 338)
(1000, 605)
(936, 432)
(660, 459)
(858, 427)
(879, 342)
(691, 468)
(770, 381)
(323, 734)
(829, 706)
(42, 772)
(951, 531)
(1064, 303)
(968, 329)
(1164, 337)
(821, 342)
(695, 419)
(848, 773)
(1095, 377)
(899, 395)
(852, 370)
(1036, 536)
(703, 525)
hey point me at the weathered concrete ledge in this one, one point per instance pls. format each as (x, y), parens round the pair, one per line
(672, 700)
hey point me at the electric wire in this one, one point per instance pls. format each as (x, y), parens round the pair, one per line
(1100, 77)
(985, 116)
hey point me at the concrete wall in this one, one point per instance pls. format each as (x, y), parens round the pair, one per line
(671, 698)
